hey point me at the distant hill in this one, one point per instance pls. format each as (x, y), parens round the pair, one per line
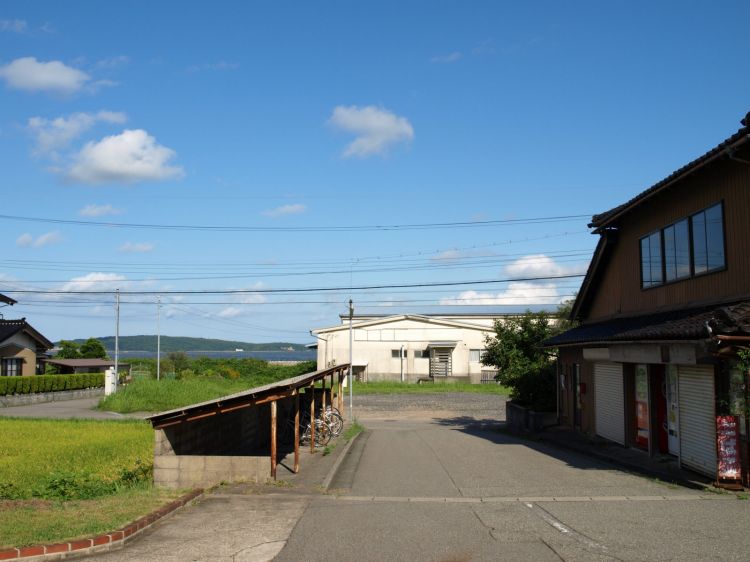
(172, 343)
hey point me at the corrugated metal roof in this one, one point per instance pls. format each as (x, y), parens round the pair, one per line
(83, 362)
(252, 393)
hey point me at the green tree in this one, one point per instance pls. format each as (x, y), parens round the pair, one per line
(180, 360)
(68, 350)
(522, 364)
(92, 348)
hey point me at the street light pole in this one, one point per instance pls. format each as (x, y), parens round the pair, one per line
(351, 380)
(117, 337)
(158, 338)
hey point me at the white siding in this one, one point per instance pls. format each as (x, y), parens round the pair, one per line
(697, 419)
(609, 401)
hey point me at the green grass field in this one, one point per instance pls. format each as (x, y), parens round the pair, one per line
(45, 461)
(388, 387)
(33, 449)
(149, 395)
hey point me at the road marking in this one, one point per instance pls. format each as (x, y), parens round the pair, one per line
(524, 500)
(555, 523)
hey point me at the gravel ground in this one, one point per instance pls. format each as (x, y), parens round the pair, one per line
(479, 407)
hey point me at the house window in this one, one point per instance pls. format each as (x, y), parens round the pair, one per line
(691, 246)
(677, 251)
(11, 367)
(651, 272)
(421, 353)
(476, 355)
(708, 240)
(397, 353)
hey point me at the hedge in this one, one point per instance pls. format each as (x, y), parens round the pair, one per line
(49, 383)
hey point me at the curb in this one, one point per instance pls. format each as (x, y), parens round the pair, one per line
(99, 543)
(335, 468)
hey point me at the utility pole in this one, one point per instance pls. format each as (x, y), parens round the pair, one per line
(158, 338)
(351, 379)
(117, 337)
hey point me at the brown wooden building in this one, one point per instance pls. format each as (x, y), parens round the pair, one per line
(663, 310)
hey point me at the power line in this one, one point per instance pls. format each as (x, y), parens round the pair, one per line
(299, 290)
(326, 228)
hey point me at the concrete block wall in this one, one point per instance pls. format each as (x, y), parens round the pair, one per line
(190, 471)
(227, 447)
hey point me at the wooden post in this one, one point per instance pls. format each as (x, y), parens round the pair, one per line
(273, 439)
(312, 417)
(296, 432)
(341, 396)
(323, 398)
(332, 391)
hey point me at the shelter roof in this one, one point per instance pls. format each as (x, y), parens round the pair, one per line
(246, 398)
(83, 362)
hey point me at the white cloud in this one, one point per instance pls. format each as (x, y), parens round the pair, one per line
(28, 74)
(446, 59)
(520, 292)
(130, 157)
(535, 265)
(284, 210)
(376, 129)
(136, 247)
(230, 312)
(95, 282)
(16, 26)
(26, 240)
(99, 211)
(517, 293)
(56, 134)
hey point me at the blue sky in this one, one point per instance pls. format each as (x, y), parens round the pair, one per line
(303, 115)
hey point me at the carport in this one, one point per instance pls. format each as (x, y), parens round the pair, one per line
(235, 437)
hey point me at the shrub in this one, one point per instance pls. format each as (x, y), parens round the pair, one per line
(49, 383)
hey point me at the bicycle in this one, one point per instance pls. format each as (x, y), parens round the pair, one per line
(322, 431)
(333, 418)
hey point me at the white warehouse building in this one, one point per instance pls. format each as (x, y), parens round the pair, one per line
(410, 347)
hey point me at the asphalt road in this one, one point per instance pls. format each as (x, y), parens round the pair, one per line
(442, 483)
(79, 408)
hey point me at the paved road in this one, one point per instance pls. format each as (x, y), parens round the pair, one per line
(424, 488)
(79, 408)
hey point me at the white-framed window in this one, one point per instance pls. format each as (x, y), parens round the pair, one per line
(476, 355)
(396, 353)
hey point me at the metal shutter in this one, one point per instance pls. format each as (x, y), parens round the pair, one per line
(697, 419)
(609, 401)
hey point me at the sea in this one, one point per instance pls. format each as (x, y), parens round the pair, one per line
(307, 355)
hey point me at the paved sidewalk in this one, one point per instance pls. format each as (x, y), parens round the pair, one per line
(237, 522)
(665, 468)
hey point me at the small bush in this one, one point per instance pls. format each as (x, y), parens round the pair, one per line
(49, 383)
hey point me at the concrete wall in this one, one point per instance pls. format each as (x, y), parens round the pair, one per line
(373, 346)
(227, 447)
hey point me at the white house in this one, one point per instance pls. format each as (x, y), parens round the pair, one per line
(410, 347)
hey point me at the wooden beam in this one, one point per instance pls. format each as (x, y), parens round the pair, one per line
(296, 433)
(273, 440)
(201, 416)
(169, 423)
(312, 417)
(341, 396)
(323, 397)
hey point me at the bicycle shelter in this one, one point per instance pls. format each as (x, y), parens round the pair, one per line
(235, 437)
